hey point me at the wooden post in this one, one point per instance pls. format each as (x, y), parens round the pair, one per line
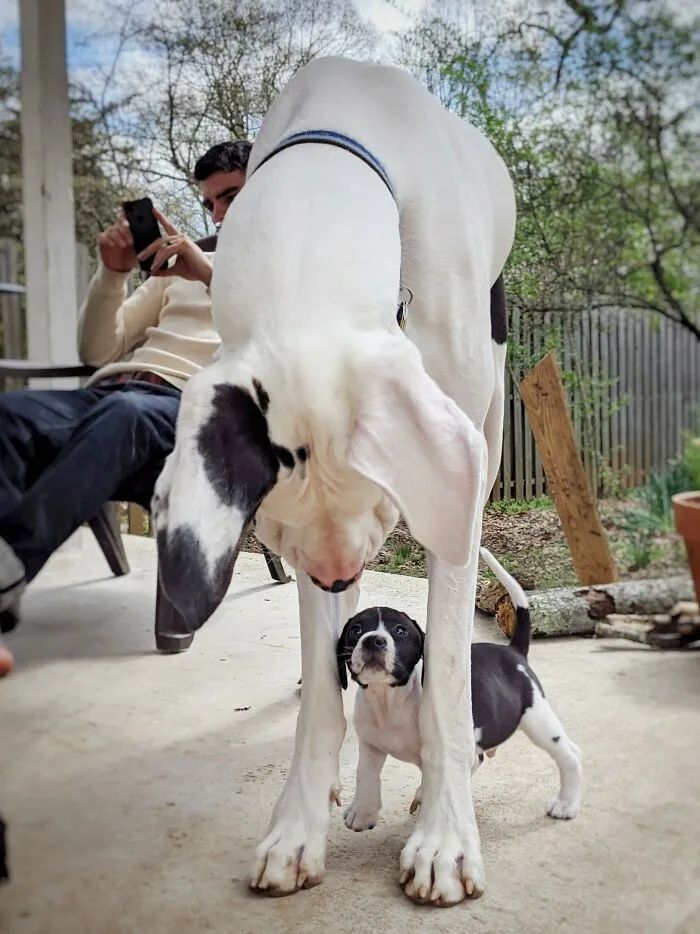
(10, 306)
(542, 391)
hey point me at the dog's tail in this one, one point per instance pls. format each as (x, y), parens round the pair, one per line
(520, 640)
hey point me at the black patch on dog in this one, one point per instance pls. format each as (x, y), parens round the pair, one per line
(239, 460)
(284, 455)
(262, 396)
(555, 739)
(499, 312)
(302, 454)
(520, 640)
(184, 576)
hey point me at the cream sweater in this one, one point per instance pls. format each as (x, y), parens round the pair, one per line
(164, 326)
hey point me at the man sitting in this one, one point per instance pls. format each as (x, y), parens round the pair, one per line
(64, 453)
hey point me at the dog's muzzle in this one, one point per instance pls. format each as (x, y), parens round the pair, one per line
(338, 586)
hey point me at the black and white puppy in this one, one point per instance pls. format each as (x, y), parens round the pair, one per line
(382, 648)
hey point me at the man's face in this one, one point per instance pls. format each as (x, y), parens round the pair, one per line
(219, 190)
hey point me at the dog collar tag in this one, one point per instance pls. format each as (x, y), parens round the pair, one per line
(406, 297)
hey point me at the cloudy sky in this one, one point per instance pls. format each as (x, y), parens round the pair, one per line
(82, 16)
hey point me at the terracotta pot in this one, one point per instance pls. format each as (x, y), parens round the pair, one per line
(686, 511)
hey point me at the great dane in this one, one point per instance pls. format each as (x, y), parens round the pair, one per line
(324, 420)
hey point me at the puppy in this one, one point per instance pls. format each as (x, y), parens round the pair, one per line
(382, 648)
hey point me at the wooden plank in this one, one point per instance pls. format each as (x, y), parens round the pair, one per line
(518, 420)
(677, 390)
(539, 472)
(657, 434)
(646, 369)
(608, 398)
(622, 353)
(588, 445)
(528, 467)
(638, 400)
(668, 411)
(506, 459)
(543, 393)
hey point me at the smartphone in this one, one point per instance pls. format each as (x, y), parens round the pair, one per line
(143, 225)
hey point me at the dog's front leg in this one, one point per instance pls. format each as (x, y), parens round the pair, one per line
(363, 812)
(441, 861)
(292, 855)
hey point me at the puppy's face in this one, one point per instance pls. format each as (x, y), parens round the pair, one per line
(379, 646)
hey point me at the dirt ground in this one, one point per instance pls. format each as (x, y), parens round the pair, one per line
(527, 538)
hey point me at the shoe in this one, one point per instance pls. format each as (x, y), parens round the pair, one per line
(12, 578)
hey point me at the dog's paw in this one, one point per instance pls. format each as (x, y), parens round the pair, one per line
(360, 817)
(291, 857)
(438, 870)
(560, 809)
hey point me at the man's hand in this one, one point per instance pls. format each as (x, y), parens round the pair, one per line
(191, 262)
(116, 247)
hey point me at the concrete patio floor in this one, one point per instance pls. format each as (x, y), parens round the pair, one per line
(137, 786)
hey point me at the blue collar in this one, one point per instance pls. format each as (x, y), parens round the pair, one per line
(331, 138)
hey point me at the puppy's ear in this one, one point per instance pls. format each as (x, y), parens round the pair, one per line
(424, 452)
(422, 650)
(222, 467)
(340, 657)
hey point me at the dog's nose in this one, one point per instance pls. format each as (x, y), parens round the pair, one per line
(338, 586)
(377, 643)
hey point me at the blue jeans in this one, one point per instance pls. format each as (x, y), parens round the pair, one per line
(65, 453)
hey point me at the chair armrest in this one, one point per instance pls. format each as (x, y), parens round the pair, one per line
(25, 369)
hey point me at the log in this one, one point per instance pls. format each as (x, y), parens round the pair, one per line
(678, 629)
(544, 396)
(569, 612)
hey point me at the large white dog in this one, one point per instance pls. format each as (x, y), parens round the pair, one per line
(325, 419)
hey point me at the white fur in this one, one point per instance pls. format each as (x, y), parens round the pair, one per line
(515, 591)
(305, 287)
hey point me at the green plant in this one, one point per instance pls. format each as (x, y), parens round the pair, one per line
(516, 507)
(401, 555)
(678, 477)
(641, 527)
(691, 460)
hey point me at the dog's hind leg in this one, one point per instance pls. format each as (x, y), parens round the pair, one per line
(292, 855)
(363, 813)
(544, 728)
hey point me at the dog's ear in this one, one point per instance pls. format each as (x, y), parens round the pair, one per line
(424, 452)
(340, 657)
(422, 649)
(222, 467)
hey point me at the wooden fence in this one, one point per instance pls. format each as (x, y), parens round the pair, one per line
(633, 383)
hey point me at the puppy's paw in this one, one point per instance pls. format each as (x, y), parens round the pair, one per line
(359, 816)
(561, 809)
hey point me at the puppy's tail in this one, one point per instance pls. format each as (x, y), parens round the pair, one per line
(520, 639)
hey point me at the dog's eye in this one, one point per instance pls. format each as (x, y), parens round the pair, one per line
(400, 631)
(356, 631)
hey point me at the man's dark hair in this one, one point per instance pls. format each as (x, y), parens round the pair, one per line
(224, 157)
